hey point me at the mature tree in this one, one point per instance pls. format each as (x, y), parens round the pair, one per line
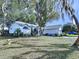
(6, 10)
(45, 10)
(32, 10)
(70, 11)
(69, 28)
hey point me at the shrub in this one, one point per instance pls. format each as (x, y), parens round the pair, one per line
(17, 32)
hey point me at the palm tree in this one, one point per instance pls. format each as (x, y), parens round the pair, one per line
(69, 10)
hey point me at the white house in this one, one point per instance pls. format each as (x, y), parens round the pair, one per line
(25, 28)
(53, 30)
(21, 26)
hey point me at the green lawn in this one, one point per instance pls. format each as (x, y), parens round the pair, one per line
(38, 48)
(71, 35)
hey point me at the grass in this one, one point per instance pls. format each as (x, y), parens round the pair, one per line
(38, 48)
(71, 35)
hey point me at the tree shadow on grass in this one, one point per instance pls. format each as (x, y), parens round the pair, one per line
(31, 45)
(61, 45)
(6, 37)
(56, 54)
(21, 45)
(47, 54)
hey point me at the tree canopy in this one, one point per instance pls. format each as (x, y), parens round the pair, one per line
(30, 10)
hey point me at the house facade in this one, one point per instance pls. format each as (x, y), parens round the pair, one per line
(53, 30)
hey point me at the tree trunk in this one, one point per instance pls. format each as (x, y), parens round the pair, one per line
(76, 21)
(70, 11)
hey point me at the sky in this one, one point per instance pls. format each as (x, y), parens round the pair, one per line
(67, 19)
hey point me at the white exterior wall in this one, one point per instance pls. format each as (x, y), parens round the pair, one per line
(52, 30)
(16, 26)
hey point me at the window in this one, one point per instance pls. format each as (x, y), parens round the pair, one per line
(25, 27)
